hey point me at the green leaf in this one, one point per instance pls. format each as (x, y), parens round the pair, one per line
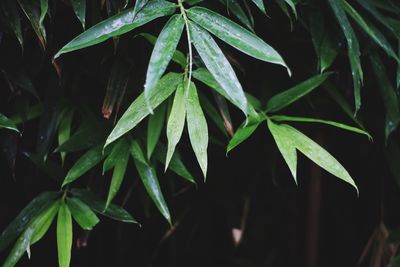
(219, 66)
(139, 5)
(292, 6)
(197, 127)
(241, 134)
(284, 99)
(260, 5)
(286, 146)
(86, 162)
(32, 12)
(280, 118)
(150, 180)
(82, 213)
(64, 235)
(138, 110)
(118, 25)
(64, 129)
(7, 123)
(11, 14)
(235, 35)
(178, 56)
(212, 113)
(235, 8)
(353, 50)
(176, 163)
(18, 225)
(99, 205)
(390, 100)
(118, 153)
(118, 174)
(79, 7)
(154, 128)
(163, 52)
(31, 235)
(44, 6)
(176, 122)
(372, 31)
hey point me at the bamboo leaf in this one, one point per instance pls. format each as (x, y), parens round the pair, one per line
(197, 127)
(64, 235)
(138, 110)
(79, 7)
(163, 52)
(234, 7)
(118, 152)
(32, 12)
(176, 122)
(219, 66)
(7, 123)
(284, 99)
(154, 127)
(241, 134)
(118, 25)
(13, 18)
(235, 35)
(260, 5)
(44, 222)
(82, 213)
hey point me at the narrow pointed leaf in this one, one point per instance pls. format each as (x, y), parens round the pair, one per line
(319, 155)
(280, 118)
(118, 153)
(150, 181)
(154, 128)
(163, 52)
(260, 5)
(86, 162)
(285, 145)
(292, 5)
(139, 5)
(219, 66)
(79, 7)
(99, 205)
(241, 134)
(197, 127)
(64, 235)
(82, 213)
(44, 6)
(138, 110)
(10, 11)
(284, 99)
(118, 174)
(234, 7)
(7, 123)
(353, 50)
(176, 122)
(64, 129)
(44, 222)
(118, 25)
(32, 12)
(235, 35)
(18, 225)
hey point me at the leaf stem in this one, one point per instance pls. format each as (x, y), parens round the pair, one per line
(189, 40)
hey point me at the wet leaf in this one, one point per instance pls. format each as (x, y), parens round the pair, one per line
(118, 25)
(163, 52)
(154, 128)
(235, 35)
(176, 121)
(284, 99)
(82, 213)
(197, 127)
(79, 7)
(118, 152)
(260, 5)
(241, 134)
(235, 8)
(138, 110)
(64, 235)
(43, 222)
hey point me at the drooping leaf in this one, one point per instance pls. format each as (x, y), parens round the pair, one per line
(281, 118)
(79, 7)
(234, 7)
(7, 123)
(219, 66)
(138, 110)
(44, 6)
(372, 31)
(99, 205)
(118, 152)
(150, 181)
(118, 173)
(86, 162)
(10, 11)
(235, 35)
(18, 225)
(241, 134)
(32, 12)
(44, 222)
(353, 50)
(389, 96)
(64, 235)
(260, 5)
(292, 5)
(197, 127)
(82, 213)
(176, 121)
(154, 128)
(163, 52)
(286, 146)
(118, 25)
(284, 99)
(176, 164)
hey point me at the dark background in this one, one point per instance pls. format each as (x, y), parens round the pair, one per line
(319, 222)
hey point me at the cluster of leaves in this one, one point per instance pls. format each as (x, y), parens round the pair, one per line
(212, 68)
